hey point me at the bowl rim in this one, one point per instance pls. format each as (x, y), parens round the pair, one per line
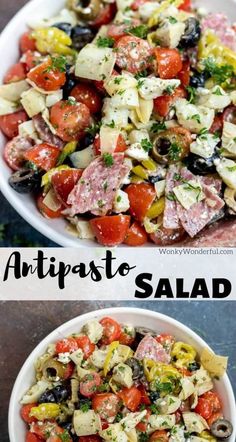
(99, 313)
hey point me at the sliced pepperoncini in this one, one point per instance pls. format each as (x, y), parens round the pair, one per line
(46, 178)
(67, 150)
(140, 172)
(45, 411)
(52, 40)
(156, 208)
(206, 435)
(112, 347)
(183, 354)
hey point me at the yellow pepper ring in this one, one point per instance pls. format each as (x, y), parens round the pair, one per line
(156, 208)
(112, 347)
(45, 411)
(52, 40)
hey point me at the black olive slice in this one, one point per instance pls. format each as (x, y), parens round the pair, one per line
(191, 34)
(25, 180)
(221, 429)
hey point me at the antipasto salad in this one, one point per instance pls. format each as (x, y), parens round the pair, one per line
(116, 383)
(121, 118)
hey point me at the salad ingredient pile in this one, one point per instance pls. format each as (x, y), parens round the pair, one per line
(121, 118)
(119, 383)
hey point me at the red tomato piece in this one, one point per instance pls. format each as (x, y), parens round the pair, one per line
(125, 338)
(31, 437)
(43, 156)
(111, 330)
(70, 119)
(166, 340)
(105, 16)
(131, 397)
(64, 181)
(184, 74)
(107, 405)
(86, 345)
(163, 104)
(15, 73)
(110, 230)
(141, 197)
(213, 397)
(166, 237)
(46, 76)
(185, 6)
(67, 345)
(169, 62)
(159, 436)
(142, 426)
(14, 152)
(144, 396)
(44, 429)
(136, 235)
(91, 438)
(117, 31)
(89, 384)
(69, 370)
(217, 125)
(136, 4)
(133, 54)
(214, 417)
(84, 93)
(46, 211)
(204, 408)
(25, 413)
(120, 146)
(27, 42)
(31, 59)
(185, 371)
(9, 123)
(229, 114)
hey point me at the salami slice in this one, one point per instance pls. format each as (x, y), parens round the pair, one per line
(45, 133)
(219, 23)
(170, 217)
(14, 151)
(151, 349)
(220, 234)
(96, 189)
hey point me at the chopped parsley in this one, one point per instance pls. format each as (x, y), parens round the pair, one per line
(219, 73)
(169, 90)
(174, 152)
(172, 20)
(85, 406)
(217, 91)
(140, 83)
(232, 168)
(143, 437)
(154, 409)
(158, 126)
(57, 63)
(117, 80)
(111, 124)
(192, 92)
(105, 42)
(93, 129)
(140, 31)
(118, 199)
(146, 144)
(71, 101)
(171, 196)
(65, 437)
(141, 74)
(196, 117)
(108, 159)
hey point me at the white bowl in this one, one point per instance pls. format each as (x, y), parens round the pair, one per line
(146, 318)
(24, 204)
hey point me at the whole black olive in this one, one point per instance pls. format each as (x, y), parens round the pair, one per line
(136, 367)
(197, 79)
(65, 27)
(154, 178)
(69, 428)
(201, 166)
(191, 34)
(47, 397)
(61, 393)
(85, 141)
(68, 86)
(194, 366)
(154, 395)
(221, 429)
(80, 36)
(25, 180)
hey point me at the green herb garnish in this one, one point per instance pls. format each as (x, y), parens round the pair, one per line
(146, 144)
(105, 42)
(108, 159)
(140, 31)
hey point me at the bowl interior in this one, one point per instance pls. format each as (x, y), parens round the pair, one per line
(156, 321)
(24, 204)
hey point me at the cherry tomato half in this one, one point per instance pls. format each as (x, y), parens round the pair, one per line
(46, 76)
(120, 146)
(111, 330)
(141, 196)
(185, 6)
(131, 397)
(89, 384)
(165, 340)
(133, 54)
(125, 338)
(25, 413)
(67, 345)
(204, 408)
(15, 150)
(184, 74)
(64, 181)
(86, 345)
(110, 230)
(169, 62)
(43, 156)
(31, 437)
(136, 235)
(9, 123)
(107, 405)
(105, 15)
(166, 237)
(163, 104)
(159, 436)
(88, 95)
(15, 73)
(69, 119)
(142, 426)
(27, 42)
(229, 114)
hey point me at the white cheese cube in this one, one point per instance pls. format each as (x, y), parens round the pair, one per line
(227, 170)
(33, 102)
(189, 193)
(121, 202)
(54, 98)
(204, 145)
(113, 115)
(136, 136)
(137, 152)
(193, 118)
(160, 188)
(127, 99)
(153, 87)
(170, 33)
